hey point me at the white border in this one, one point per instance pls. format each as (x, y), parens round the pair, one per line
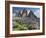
(28, 31)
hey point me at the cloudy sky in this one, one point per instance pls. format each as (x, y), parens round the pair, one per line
(36, 11)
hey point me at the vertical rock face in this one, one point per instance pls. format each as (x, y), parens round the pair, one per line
(24, 13)
(27, 18)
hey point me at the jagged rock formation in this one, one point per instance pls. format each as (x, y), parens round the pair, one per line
(23, 17)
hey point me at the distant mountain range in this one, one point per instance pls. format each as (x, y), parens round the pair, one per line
(27, 18)
(24, 18)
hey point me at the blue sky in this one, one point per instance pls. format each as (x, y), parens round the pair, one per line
(36, 11)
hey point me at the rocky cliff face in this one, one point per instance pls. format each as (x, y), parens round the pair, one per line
(30, 18)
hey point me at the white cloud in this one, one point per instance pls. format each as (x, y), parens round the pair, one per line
(37, 13)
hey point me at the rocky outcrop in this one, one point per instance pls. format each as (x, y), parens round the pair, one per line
(30, 18)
